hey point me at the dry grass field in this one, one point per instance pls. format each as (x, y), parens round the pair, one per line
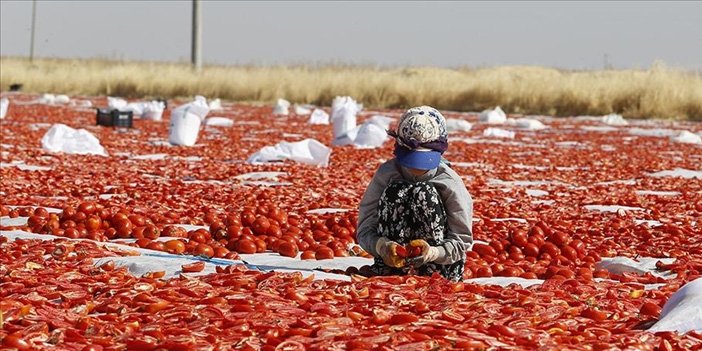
(658, 92)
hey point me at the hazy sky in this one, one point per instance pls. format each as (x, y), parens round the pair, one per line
(560, 34)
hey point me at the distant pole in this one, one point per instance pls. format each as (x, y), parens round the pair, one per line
(31, 39)
(197, 30)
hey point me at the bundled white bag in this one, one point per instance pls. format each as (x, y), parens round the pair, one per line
(153, 110)
(343, 117)
(4, 105)
(498, 133)
(457, 125)
(370, 135)
(116, 103)
(62, 138)
(496, 116)
(308, 151)
(215, 105)
(683, 311)
(687, 138)
(281, 107)
(318, 116)
(62, 99)
(186, 120)
(614, 119)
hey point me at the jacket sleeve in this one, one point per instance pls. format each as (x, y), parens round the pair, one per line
(367, 228)
(459, 211)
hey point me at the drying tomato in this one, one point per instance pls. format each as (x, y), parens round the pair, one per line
(193, 267)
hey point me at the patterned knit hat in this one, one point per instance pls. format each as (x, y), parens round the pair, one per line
(421, 138)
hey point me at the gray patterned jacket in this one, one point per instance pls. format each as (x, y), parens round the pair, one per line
(455, 196)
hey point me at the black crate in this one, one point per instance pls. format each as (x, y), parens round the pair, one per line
(114, 118)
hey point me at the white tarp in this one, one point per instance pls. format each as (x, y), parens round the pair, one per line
(683, 311)
(496, 116)
(498, 133)
(308, 151)
(152, 110)
(687, 138)
(281, 107)
(186, 120)
(62, 138)
(116, 103)
(318, 116)
(219, 122)
(4, 104)
(529, 124)
(343, 116)
(457, 125)
(302, 110)
(614, 119)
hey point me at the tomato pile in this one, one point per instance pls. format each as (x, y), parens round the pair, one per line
(105, 307)
(548, 234)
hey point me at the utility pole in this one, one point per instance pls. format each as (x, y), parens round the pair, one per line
(196, 59)
(31, 39)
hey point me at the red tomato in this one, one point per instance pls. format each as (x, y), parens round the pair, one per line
(288, 249)
(15, 342)
(175, 246)
(594, 314)
(324, 253)
(260, 225)
(246, 246)
(484, 250)
(650, 309)
(193, 267)
(308, 255)
(204, 250)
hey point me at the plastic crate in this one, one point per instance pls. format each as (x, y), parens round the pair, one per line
(114, 118)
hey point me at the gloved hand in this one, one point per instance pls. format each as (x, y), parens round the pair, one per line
(387, 250)
(428, 254)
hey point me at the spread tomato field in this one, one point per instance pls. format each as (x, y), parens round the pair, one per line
(549, 206)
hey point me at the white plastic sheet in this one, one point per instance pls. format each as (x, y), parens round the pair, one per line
(318, 116)
(458, 125)
(186, 120)
(62, 99)
(529, 124)
(614, 119)
(687, 138)
(683, 311)
(370, 135)
(4, 105)
(496, 116)
(281, 107)
(343, 116)
(219, 122)
(48, 99)
(302, 110)
(62, 138)
(381, 121)
(308, 151)
(498, 133)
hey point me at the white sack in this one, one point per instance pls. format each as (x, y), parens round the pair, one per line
(370, 135)
(308, 151)
(153, 110)
(4, 105)
(318, 116)
(281, 107)
(496, 116)
(380, 121)
(529, 124)
(498, 133)
(186, 120)
(348, 138)
(219, 122)
(457, 125)
(47, 99)
(62, 138)
(137, 108)
(215, 105)
(302, 110)
(683, 311)
(686, 137)
(343, 116)
(116, 103)
(614, 119)
(62, 99)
